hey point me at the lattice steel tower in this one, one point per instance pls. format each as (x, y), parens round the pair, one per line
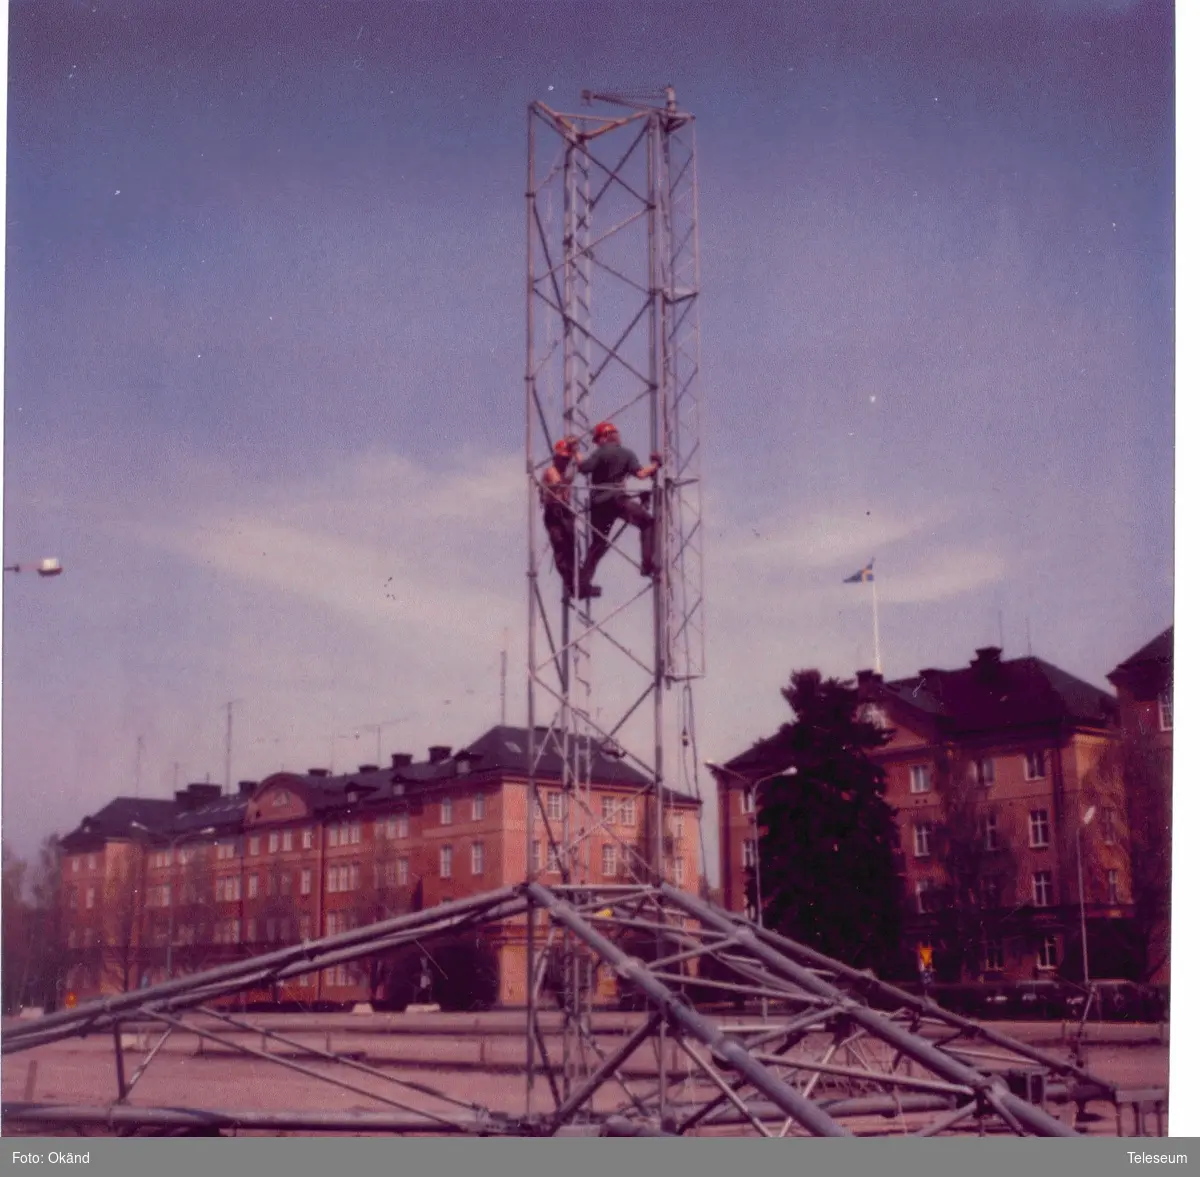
(612, 334)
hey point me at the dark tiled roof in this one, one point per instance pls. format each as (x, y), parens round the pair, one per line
(1159, 651)
(991, 696)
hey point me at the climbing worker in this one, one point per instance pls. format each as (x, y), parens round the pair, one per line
(608, 465)
(556, 509)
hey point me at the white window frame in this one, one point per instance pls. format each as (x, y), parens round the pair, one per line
(608, 860)
(252, 849)
(1114, 883)
(677, 870)
(1039, 829)
(993, 955)
(922, 836)
(306, 838)
(628, 812)
(355, 833)
(1035, 764)
(1166, 710)
(536, 865)
(748, 853)
(273, 842)
(285, 841)
(991, 832)
(476, 858)
(921, 889)
(554, 807)
(477, 807)
(252, 886)
(1047, 954)
(608, 810)
(402, 825)
(446, 814)
(919, 778)
(446, 862)
(74, 866)
(402, 870)
(1108, 825)
(1043, 888)
(306, 881)
(983, 771)
(748, 801)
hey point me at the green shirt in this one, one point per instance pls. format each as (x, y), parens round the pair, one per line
(608, 466)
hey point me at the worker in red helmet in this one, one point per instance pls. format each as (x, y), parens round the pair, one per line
(607, 466)
(556, 509)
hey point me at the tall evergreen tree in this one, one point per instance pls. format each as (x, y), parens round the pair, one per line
(828, 874)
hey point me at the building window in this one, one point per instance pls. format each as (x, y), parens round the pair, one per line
(285, 883)
(1035, 765)
(1048, 953)
(921, 833)
(918, 778)
(305, 925)
(270, 931)
(1043, 889)
(627, 812)
(72, 897)
(677, 872)
(402, 871)
(252, 887)
(254, 845)
(402, 826)
(677, 826)
(355, 833)
(445, 861)
(91, 862)
(477, 807)
(306, 839)
(990, 891)
(747, 800)
(273, 842)
(355, 877)
(748, 853)
(991, 832)
(331, 836)
(476, 858)
(923, 889)
(554, 805)
(608, 860)
(1166, 711)
(224, 850)
(306, 882)
(74, 866)
(251, 930)
(1039, 827)
(1108, 826)
(286, 837)
(608, 809)
(993, 955)
(447, 811)
(983, 771)
(536, 863)
(1114, 879)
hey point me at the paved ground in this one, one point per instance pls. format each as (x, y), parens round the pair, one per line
(474, 1060)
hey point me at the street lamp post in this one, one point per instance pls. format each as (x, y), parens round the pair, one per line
(752, 787)
(1085, 820)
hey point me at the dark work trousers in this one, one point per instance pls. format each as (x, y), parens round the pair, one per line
(602, 517)
(560, 527)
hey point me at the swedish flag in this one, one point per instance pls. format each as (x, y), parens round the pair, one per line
(863, 575)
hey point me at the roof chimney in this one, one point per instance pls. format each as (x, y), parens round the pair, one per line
(203, 792)
(987, 656)
(318, 772)
(439, 752)
(401, 759)
(368, 768)
(245, 788)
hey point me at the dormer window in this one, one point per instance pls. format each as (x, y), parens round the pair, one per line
(1166, 711)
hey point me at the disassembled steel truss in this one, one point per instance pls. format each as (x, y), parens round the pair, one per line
(841, 1053)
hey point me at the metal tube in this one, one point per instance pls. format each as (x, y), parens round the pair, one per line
(733, 1052)
(916, 1048)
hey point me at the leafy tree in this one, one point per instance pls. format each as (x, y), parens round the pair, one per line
(1132, 779)
(16, 929)
(828, 874)
(972, 844)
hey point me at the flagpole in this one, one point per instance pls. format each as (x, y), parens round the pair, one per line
(875, 619)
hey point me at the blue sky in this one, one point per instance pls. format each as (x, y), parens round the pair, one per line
(265, 316)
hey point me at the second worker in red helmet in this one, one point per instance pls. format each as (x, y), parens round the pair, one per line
(607, 466)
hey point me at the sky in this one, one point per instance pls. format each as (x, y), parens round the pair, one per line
(264, 320)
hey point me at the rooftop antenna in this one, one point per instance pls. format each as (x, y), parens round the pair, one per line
(137, 766)
(504, 680)
(1028, 638)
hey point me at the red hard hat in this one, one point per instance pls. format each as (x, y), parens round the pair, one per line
(565, 448)
(603, 430)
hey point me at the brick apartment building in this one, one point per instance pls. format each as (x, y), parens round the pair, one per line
(1027, 737)
(163, 887)
(1145, 696)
